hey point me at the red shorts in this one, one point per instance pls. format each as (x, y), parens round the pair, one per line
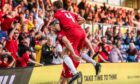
(77, 38)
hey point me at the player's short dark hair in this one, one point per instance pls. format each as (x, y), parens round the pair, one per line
(58, 4)
(54, 22)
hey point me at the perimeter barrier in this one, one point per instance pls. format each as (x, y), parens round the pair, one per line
(111, 73)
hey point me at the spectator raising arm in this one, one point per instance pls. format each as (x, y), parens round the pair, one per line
(10, 36)
(25, 2)
(42, 5)
(135, 22)
(40, 14)
(43, 8)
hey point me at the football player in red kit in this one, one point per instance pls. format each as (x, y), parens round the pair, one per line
(70, 62)
(73, 34)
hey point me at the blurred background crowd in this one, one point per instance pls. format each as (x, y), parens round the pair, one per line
(27, 40)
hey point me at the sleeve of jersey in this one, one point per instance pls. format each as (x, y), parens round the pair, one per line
(75, 16)
(56, 16)
(26, 57)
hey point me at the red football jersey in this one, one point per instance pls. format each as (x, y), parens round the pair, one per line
(22, 61)
(4, 65)
(68, 20)
(1, 13)
(12, 46)
(6, 23)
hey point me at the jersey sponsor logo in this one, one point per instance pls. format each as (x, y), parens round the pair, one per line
(7, 79)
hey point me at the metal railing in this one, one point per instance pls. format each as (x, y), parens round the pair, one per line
(103, 27)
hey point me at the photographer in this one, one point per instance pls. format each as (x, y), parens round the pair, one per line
(6, 60)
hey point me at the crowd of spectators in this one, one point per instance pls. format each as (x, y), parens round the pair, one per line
(27, 40)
